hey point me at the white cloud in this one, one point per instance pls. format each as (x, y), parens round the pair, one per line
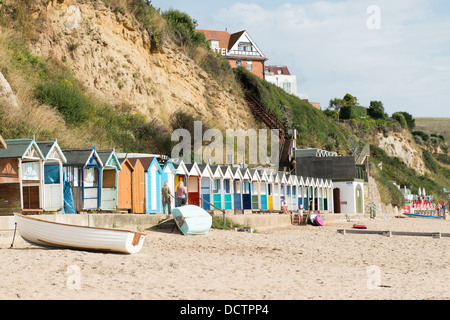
(328, 45)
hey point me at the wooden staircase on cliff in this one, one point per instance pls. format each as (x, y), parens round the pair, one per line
(272, 122)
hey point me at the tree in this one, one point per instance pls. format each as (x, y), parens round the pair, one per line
(376, 110)
(409, 120)
(400, 118)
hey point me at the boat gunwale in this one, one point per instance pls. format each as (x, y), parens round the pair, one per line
(77, 226)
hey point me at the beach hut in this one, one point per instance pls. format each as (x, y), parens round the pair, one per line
(263, 186)
(246, 189)
(109, 179)
(283, 185)
(21, 176)
(237, 189)
(138, 189)
(125, 186)
(276, 191)
(53, 175)
(227, 190)
(206, 179)
(217, 186)
(270, 185)
(255, 188)
(306, 194)
(300, 190)
(82, 170)
(193, 183)
(320, 187)
(181, 174)
(330, 196)
(168, 174)
(294, 188)
(153, 172)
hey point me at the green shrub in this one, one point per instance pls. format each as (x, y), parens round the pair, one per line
(64, 94)
(350, 112)
(400, 118)
(183, 28)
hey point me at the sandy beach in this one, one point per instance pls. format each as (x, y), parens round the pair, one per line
(296, 262)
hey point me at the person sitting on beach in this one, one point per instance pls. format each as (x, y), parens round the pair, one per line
(181, 194)
(300, 214)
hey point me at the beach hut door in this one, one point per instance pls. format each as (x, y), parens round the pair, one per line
(337, 200)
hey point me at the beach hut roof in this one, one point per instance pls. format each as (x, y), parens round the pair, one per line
(205, 170)
(193, 169)
(217, 173)
(147, 162)
(237, 174)
(254, 175)
(21, 148)
(109, 159)
(294, 180)
(179, 166)
(263, 174)
(245, 173)
(81, 157)
(168, 166)
(125, 161)
(51, 150)
(226, 171)
(301, 182)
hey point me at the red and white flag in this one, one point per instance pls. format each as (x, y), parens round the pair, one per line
(380, 165)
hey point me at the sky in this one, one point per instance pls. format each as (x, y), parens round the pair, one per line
(396, 52)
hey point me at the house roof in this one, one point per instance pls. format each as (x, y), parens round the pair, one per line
(276, 70)
(17, 148)
(222, 36)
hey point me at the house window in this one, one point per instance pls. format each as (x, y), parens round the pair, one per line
(238, 63)
(287, 87)
(214, 44)
(245, 46)
(249, 65)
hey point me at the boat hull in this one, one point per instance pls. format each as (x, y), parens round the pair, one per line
(192, 220)
(54, 234)
(420, 215)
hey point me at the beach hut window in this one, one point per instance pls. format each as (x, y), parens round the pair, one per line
(30, 171)
(294, 191)
(90, 177)
(216, 187)
(269, 189)
(237, 186)
(263, 188)
(282, 189)
(226, 185)
(255, 187)
(51, 174)
(246, 187)
(288, 191)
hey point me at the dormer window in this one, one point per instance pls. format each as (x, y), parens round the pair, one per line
(245, 46)
(214, 44)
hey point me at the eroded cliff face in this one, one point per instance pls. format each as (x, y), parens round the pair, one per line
(115, 61)
(402, 145)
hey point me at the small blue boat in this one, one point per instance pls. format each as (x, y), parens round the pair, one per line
(420, 215)
(192, 220)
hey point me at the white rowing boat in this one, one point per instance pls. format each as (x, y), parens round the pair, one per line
(54, 234)
(192, 220)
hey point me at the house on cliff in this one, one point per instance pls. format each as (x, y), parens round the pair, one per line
(239, 49)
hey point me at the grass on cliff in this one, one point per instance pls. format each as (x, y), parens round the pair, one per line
(314, 129)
